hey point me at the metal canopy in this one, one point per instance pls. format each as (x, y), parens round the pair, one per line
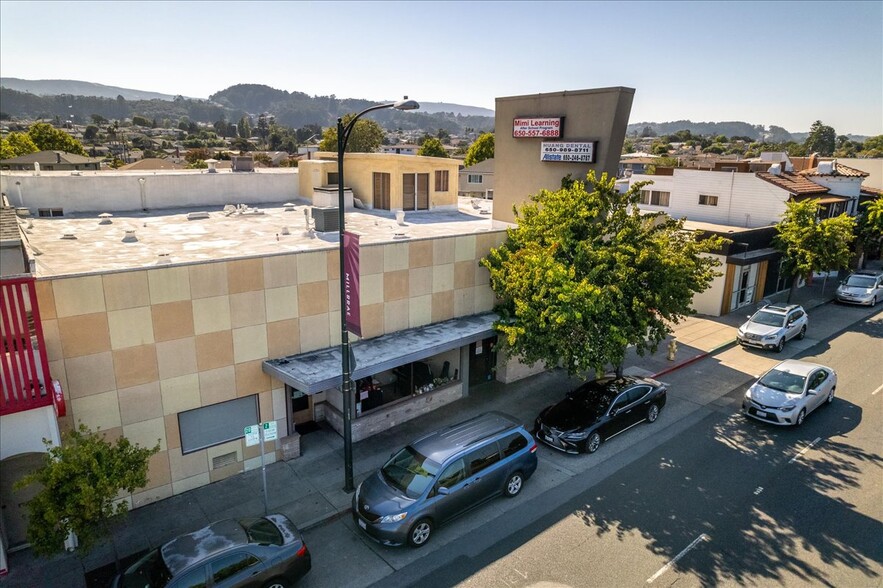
(320, 370)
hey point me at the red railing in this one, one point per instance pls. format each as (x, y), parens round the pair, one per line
(25, 367)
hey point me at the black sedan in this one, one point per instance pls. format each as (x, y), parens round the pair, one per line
(599, 410)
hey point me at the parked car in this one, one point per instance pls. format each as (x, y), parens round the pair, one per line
(773, 325)
(599, 410)
(862, 287)
(790, 391)
(443, 475)
(265, 552)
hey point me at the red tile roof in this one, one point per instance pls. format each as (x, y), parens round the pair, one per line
(839, 170)
(793, 183)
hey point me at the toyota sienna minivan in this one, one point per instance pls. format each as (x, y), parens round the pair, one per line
(442, 475)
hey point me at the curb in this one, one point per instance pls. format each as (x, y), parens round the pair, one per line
(324, 519)
(695, 358)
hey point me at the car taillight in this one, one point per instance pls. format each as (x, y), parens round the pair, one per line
(302, 551)
(533, 448)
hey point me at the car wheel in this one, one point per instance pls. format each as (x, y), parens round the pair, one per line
(513, 485)
(593, 442)
(420, 532)
(830, 397)
(277, 583)
(780, 345)
(802, 333)
(652, 413)
(801, 416)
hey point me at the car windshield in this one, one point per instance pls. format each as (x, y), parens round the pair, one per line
(261, 531)
(860, 281)
(410, 472)
(783, 381)
(768, 318)
(597, 396)
(150, 570)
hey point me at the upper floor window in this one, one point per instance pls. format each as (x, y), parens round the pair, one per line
(655, 197)
(474, 178)
(707, 200)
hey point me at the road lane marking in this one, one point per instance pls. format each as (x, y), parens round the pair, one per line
(805, 449)
(758, 490)
(877, 390)
(666, 567)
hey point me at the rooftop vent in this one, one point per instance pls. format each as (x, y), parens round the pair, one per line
(326, 219)
(776, 169)
(826, 168)
(285, 231)
(197, 215)
(130, 237)
(105, 218)
(163, 258)
(22, 212)
(288, 207)
(69, 236)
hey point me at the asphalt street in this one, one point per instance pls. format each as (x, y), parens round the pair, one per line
(721, 501)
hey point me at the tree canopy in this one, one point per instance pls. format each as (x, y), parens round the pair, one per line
(365, 137)
(810, 244)
(16, 145)
(822, 139)
(482, 148)
(869, 229)
(80, 481)
(585, 274)
(48, 138)
(432, 147)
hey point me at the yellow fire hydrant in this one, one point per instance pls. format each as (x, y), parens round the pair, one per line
(672, 349)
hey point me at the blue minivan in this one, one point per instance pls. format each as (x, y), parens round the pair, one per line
(442, 475)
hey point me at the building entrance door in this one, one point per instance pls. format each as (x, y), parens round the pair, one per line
(12, 502)
(482, 361)
(743, 287)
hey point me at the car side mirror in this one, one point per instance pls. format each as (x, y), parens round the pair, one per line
(613, 412)
(812, 392)
(443, 491)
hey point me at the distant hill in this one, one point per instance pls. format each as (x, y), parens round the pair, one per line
(432, 107)
(78, 88)
(771, 134)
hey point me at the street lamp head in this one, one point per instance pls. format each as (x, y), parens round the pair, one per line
(405, 104)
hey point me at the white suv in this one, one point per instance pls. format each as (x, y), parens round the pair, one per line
(771, 326)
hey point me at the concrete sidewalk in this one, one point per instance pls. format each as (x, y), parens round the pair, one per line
(309, 489)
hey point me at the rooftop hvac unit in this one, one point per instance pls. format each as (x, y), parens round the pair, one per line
(326, 219)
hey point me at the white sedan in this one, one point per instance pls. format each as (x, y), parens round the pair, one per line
(790, 391)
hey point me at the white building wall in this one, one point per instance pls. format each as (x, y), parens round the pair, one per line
(709, 302)
(839, 185)
(744, 200)
(23, 432)
(114, 192)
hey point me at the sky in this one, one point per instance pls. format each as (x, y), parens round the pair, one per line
(771, 63)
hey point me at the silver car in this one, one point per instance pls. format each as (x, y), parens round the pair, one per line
(790, 391)
(862, 287)
(771, 326)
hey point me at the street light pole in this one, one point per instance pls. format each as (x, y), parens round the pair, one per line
(343, 135)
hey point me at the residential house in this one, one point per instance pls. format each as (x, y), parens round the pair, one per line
(51, 161)
(400, 149)
(477, 181)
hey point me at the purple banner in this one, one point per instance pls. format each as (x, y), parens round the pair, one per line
(351, 283)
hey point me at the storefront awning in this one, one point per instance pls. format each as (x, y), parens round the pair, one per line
(320, 370)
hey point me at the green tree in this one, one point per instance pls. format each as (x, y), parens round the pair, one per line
(244, 128)
(197, 154)
(584, 274)
(16, 145)
(869, 229)
(141, 121)
(481, 149)
(872, 147)
(48, 138)
(365, 136)
(80, 481)
(809, 244)
(822, 139)
(432, 147)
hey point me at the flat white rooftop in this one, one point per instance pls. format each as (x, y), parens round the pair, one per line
(257, 232)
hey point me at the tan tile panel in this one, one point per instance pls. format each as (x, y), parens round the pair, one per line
(283, 338)
(312, 267)
(395, 285)
(188, 484)
(484, 242)
(334, 327)
(78, 296)
(214, 350)
(332, 258)
(147, 433)
(314, 332)
(186, 466)
(84, 334)
(396, 256)
(484, 299)
(173, 435)
(280, 271)
(159, 473)
(464, 274)
(464, 301)
(265, 404)
(151, 495)
(465, 248)
(45, 299)
(130, 327)
(334, 295)
(172, 320)
(250, 378)
(249, 343)
(126, 290)
(169, 284)
(90, 374)
(443, 277)
(443, 251)
(140, 403)
(52, 340)
(135, 365)
(245, 275)
(180, 394)
(211, 315)
(420, 281)
(420, 311)
(372, 320)
(312, 298)
(247, 308)
(482, 276)
(208, 280)
(371, 260)
(176, 358)
(395, 315)
(371, 288)
(442, 306)
(226, 471)
(99, 411)
(281, 303)
(420, 253)
(217, 385)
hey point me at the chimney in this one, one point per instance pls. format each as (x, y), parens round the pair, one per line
(57, 157)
